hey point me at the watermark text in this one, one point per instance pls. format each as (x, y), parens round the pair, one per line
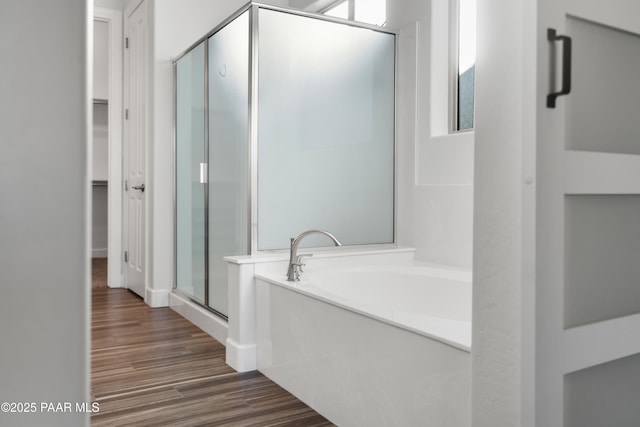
(49, 407)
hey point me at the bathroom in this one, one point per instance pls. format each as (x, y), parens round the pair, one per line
(466, 203)
(443, 194)
(457, 204)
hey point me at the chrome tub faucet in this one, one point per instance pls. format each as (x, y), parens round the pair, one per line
(295, 260)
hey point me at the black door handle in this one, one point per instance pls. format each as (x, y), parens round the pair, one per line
(139, 187)
(566, 66)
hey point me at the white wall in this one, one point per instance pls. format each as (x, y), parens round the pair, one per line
(502, 357)
(100, 60)
(111, 4)
(435, 170)
(44, 213)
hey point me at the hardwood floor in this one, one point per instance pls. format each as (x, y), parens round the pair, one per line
(99, 272)
(152, 367)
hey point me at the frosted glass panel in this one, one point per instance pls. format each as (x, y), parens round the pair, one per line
(326, 131)
(190, 191)
(228, 153)
(604, 395)
(602, 258)
(604, 106)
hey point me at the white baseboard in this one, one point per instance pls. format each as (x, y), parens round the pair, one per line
(202, 318)
(99, 253)
(241, 357)
(157, 298)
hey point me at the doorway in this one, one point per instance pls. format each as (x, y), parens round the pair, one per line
(106, 149)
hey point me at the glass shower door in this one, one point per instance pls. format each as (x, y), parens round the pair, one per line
(191, 174)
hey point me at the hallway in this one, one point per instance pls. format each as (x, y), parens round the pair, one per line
(152, 367)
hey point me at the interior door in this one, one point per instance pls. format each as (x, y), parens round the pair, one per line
(134, 156)
(588, 214)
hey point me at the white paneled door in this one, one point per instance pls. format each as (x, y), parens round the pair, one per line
(588, 214)
(134, 150)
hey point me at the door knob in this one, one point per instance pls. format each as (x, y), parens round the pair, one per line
(139, 187)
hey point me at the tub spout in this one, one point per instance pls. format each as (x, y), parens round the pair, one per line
(295, 261)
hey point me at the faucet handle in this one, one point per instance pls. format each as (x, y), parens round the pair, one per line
(299, 259)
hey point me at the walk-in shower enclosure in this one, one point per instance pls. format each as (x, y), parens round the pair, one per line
(284, 122)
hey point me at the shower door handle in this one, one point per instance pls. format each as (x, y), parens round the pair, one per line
(139, 187)
(566, 66)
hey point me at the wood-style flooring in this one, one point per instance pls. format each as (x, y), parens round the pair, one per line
(99, 272)
(152, 367)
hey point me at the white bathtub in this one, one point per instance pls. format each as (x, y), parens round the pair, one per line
(427, 300)
(375, 345)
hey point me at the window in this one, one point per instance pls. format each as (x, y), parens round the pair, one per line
(466, 65)
(368, 11)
